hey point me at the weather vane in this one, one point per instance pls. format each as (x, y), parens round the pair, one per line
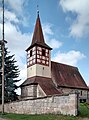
(37, 7)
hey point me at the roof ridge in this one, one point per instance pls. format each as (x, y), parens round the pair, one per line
(65, 64)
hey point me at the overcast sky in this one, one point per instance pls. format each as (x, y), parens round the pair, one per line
(65, 26)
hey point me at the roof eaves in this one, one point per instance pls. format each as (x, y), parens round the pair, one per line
(73, 87)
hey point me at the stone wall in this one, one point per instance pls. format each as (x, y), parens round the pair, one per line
(29, 91)
(65, 104)
(32, 91)
(83, 94)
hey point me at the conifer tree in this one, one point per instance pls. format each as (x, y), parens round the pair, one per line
(11, 72)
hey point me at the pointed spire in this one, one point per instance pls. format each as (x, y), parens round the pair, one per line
(38, 38)
(38, 33)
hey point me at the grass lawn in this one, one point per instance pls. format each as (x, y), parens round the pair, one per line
(84, 113)
(84, 110)
(38, 117)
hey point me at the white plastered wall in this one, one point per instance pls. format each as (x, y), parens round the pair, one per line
(40, 92)
(38, 70)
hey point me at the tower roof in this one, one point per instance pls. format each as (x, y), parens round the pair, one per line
(38, 38)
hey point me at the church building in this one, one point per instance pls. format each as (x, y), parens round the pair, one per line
(46, 77)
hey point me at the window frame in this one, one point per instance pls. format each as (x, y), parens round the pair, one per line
(43, 52)
(30, 53)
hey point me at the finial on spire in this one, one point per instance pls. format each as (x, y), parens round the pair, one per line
(37, 10)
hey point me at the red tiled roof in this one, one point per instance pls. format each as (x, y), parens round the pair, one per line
(67, 76)
(38, 38)
(46, 84)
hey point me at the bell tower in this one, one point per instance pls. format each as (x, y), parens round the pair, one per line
(38, 54)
